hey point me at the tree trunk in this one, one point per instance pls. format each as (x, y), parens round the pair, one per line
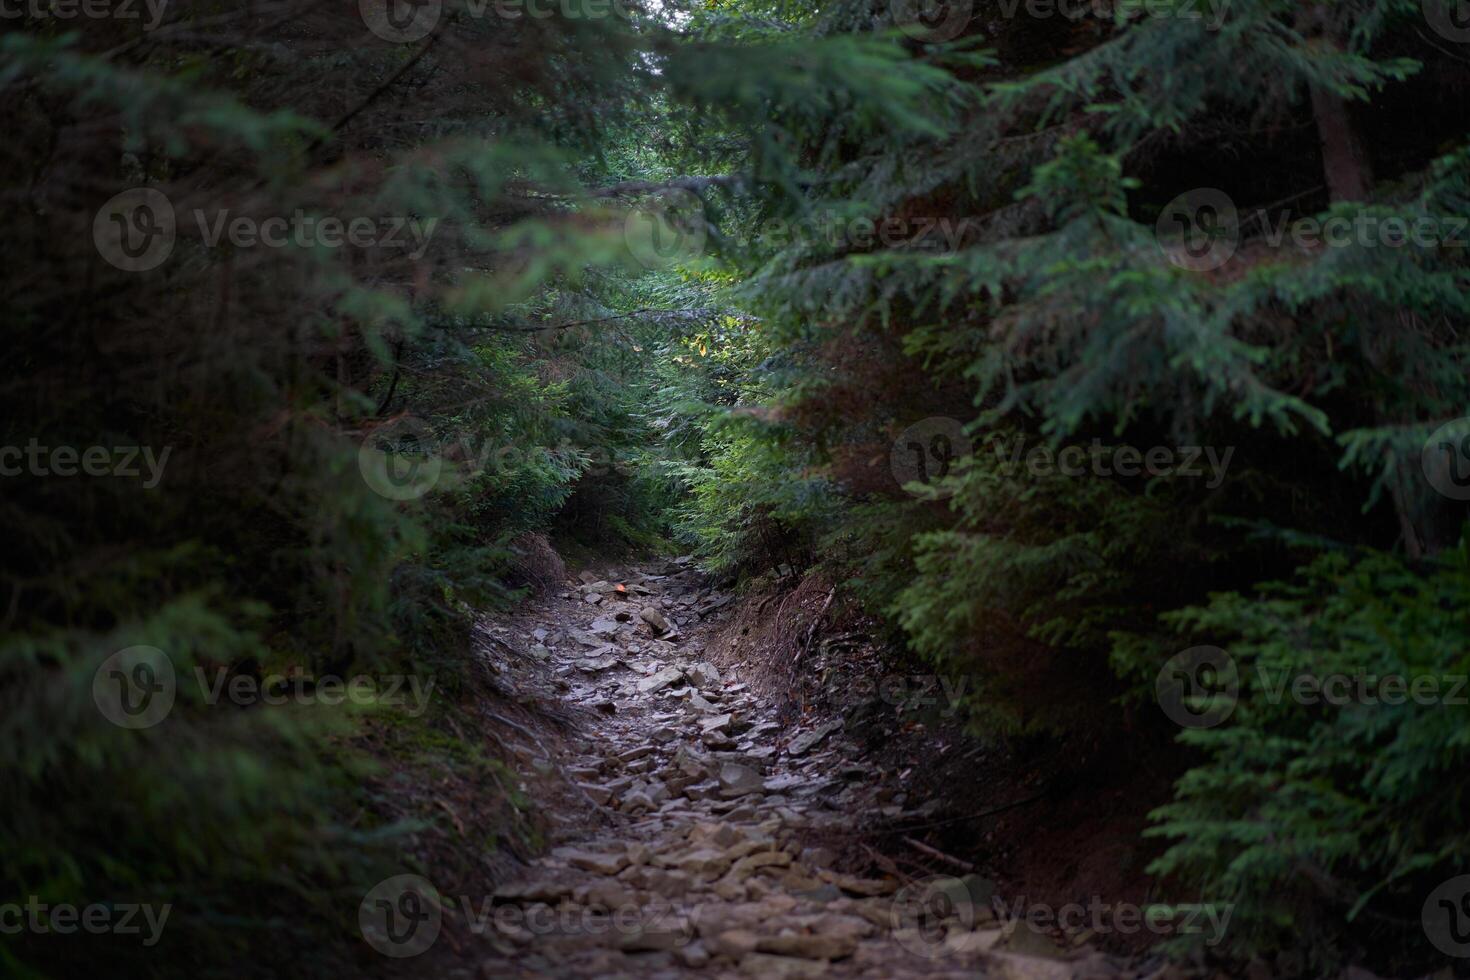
(1349, 175)
(1344, 162)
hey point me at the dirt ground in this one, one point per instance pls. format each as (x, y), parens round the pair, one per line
(705, 822)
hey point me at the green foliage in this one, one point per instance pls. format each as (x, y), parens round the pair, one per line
(1335, 818)
(1033, 563)
(241, 821)
(742, 400)
(735, 466)
(512, 350)
(1053, 310)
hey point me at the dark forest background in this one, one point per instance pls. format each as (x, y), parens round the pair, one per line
(747, 279)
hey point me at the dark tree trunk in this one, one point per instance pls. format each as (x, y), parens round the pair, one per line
(1344, 162)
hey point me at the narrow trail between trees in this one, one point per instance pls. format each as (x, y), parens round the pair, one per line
(716, 832)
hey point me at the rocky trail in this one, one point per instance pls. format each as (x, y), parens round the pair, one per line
(711, 835)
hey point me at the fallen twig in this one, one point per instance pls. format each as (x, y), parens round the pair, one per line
(517, 726)
(937, 854)
(811, 630)
(886, 863)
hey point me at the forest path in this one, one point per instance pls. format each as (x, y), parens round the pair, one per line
(706, 856)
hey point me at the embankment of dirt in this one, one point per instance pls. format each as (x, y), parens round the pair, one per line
(1050, 821)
